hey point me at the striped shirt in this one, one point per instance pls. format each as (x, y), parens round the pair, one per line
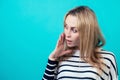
(75, 69)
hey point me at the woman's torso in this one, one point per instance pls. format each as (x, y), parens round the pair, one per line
(74, 68)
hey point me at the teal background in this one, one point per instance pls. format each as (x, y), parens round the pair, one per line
(29, 30)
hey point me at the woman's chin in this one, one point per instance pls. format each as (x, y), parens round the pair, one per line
(72, 46)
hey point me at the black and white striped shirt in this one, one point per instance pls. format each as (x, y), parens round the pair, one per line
(75, 69)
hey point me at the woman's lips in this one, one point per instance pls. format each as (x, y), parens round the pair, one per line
(68, 41)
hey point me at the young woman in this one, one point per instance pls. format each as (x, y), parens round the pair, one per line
(78, 54)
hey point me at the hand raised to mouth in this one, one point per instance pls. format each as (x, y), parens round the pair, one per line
(59, 49)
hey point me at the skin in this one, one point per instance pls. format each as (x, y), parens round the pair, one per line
(70, 35)
(71, 31)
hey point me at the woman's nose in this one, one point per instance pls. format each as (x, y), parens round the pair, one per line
(68, 34)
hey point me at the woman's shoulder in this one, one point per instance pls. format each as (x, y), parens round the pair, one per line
(107, 54)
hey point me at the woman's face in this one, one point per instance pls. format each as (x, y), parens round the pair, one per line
(71, 31)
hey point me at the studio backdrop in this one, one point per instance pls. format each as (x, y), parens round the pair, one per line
(29, 30)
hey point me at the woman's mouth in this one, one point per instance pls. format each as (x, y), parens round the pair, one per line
(68, 41)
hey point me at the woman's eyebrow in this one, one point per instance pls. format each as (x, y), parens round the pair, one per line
(71, 26)
(65, 24)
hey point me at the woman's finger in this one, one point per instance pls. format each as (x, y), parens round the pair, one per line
(63, 38)
(65, 52)
(59, 40)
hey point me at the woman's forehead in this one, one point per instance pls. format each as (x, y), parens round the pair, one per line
(71, 21)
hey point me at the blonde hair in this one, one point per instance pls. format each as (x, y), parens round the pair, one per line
(91, 37)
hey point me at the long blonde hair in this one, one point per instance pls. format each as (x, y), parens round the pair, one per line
(91, 37)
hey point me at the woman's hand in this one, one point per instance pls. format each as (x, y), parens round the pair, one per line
(59, 50)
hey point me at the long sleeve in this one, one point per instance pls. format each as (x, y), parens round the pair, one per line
(113, 73)
(49, 73)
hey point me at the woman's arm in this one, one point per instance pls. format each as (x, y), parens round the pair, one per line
(58, 52)
(113, 73)
(49, 73)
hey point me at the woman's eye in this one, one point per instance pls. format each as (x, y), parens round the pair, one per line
(74, 30)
